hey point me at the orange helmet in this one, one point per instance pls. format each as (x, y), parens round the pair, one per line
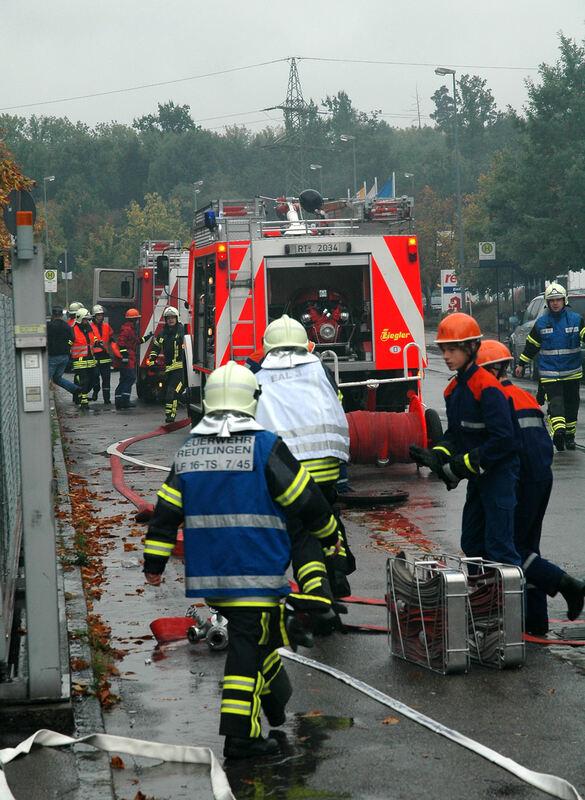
(133, 313)
(457, 327)
(492, 352)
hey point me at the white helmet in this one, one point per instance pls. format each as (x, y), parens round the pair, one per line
(231, 388)
(97, 310)
(82, 314)
(285, 332)
(554, 291)
(74, 308)
(170, 311)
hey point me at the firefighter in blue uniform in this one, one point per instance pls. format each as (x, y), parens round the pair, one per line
(232, 485)
(534, 488)
(556, 337)
(481, 444)
(170, 341)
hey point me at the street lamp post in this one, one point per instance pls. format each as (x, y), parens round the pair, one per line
(411, 176)
(345, 137)
(318, 167)
(448, 71)
(49, 179)
(196, 190)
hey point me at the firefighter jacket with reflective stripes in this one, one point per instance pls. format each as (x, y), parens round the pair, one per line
(300, 405)
(127, 342)
(82, 349)
(170, 341)
(481, 424)
(233, 495)
(557, 337)
(536, 453)
(104, 333)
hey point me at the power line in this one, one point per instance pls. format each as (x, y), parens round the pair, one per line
(144, 86)
(254, 66)
(412, 63)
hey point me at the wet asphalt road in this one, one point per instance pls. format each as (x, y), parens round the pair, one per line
(337, 743)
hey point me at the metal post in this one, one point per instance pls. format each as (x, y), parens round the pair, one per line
(48, 178)
(38, 522)
(458, 189)
(66, 282)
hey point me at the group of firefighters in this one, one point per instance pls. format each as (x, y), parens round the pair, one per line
(89, 343)
(245, 487)
(254, 486)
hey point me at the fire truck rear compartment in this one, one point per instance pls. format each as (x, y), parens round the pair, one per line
(287, 278)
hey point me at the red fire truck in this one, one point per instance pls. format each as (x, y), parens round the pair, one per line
(159, 281)
(348, 272)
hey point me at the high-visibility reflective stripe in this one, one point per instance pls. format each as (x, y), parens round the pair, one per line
(443, 449)
(170, 495)
(562, 374)
(473, 426)
(533, 341)
(310, 567)
(564, 352)
(467, 462)
(234, 521)
(243, 602)
(311, 585)
(158, 548)
(327, 530)
(241, 683)
(295, 489)
(530, 422)
(220, 582)
(241, 707)
(265, 624)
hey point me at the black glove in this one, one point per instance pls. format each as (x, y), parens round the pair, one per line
(465, 466)
(436, 461)
(146, 337)
(326, 623)
(433, 459)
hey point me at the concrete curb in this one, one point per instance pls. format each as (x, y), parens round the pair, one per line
(92, 766)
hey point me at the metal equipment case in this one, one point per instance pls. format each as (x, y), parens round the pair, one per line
(427, 605)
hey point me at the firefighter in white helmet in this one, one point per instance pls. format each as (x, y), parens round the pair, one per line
(83, 355)
(72, 311)
(556, 338)
(105, 345)
(170, 342)
(232, 485)
(300, 403)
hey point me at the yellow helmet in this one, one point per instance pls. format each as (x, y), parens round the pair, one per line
(285, 332)
(231, 388)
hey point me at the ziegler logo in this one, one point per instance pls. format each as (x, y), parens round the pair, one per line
(387, 335)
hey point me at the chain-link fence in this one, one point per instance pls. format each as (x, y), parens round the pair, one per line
(10, 486)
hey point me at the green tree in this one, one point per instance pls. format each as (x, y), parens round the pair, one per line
(157, 219)
(170, 119)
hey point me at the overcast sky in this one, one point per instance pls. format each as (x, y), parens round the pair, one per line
(53, 50)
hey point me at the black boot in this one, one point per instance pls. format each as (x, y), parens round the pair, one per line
(235, 747)
(570, 442)
(573, 591)
(559, 440)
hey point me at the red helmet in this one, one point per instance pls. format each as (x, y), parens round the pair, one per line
(457, 327)
(133, 313)
(492, 352)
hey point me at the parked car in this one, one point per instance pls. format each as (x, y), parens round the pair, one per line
(534, 310)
